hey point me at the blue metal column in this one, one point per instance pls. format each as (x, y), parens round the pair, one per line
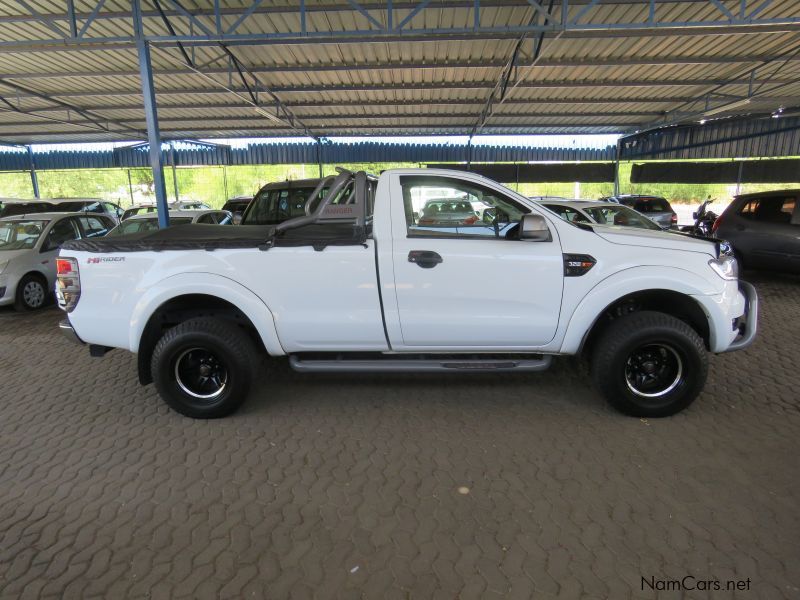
(151, 116)
(34, 177)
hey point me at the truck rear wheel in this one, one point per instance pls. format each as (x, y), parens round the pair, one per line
(203, 368)
(649, 364)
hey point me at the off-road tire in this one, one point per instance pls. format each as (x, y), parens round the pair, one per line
(621, 342)
(220, 338)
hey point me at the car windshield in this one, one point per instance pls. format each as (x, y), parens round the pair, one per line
(273, 206)
(141, 225)
(78, 206)
(12, 210)
(619, 215)
(648, 204)
(20, 235)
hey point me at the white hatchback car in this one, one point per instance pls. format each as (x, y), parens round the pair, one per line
(28, 248)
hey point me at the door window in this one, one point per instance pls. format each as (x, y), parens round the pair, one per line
(93, 226)
(207, 219)
(444, 207)
(63, 231)
(774, 209)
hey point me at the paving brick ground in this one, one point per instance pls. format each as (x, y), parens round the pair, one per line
(353, 487)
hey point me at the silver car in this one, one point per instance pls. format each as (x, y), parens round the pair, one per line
(602, 213)
(655, 208)
(28, 248)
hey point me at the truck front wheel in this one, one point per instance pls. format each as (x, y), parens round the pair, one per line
(203, 367)
(649, 364)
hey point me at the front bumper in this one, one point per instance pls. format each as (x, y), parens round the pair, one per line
(66, 329)
(748, 322)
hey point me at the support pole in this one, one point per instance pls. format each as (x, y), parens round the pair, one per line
(130, 187)
(319, 156)
(739, 178)
(34, 177)
(616, 167)
(151, 116)
(174, 171)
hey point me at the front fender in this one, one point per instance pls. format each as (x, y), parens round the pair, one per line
(210, 284)
(629, 281)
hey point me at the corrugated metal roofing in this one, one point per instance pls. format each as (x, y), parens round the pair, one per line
(582, 81)
(725, 138)
(187, 154)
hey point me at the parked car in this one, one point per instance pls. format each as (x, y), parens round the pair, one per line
(277, 202)
(189, 205)
(28, 248)
(11, 208)
(237, 206)
(602, 213)
(89, 205)
(359, 286)
(141, 209)
(764, 230)
(448, 211)
(149, 221)
(654, 207)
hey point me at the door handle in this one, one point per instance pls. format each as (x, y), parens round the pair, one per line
(427, 259)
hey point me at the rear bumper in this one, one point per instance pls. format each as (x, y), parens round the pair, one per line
(68, 332)
(748, 322)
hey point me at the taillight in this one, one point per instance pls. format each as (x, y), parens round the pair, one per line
(674, 219)
(68, 283)
(717, 223)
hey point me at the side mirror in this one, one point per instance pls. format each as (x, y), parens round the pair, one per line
(533, 228)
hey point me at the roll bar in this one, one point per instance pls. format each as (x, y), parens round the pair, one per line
(355, 210)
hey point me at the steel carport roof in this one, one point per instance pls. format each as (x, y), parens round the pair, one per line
(356, 68)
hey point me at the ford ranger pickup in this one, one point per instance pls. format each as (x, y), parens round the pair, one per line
(419, 270)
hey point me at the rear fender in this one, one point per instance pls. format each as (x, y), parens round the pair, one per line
(209, 284)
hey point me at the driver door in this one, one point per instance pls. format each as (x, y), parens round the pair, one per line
(462, 279)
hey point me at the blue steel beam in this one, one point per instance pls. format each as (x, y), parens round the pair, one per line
(151, 116)
(34, 177)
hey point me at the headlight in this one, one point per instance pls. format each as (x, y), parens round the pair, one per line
(725, 266)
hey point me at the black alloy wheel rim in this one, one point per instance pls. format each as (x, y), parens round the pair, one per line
(654, 370)
(200, 374)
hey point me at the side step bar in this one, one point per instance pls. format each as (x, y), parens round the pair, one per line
(419, 365)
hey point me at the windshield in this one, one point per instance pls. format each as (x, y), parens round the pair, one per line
(619, 215)
(12, 210)
(141, 225)
(274, 206)
(20, 235)
(647, 204)
(79, 206)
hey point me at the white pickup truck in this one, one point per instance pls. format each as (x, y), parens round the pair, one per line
(420, 270)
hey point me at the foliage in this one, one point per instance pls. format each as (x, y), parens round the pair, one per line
(214, 184)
